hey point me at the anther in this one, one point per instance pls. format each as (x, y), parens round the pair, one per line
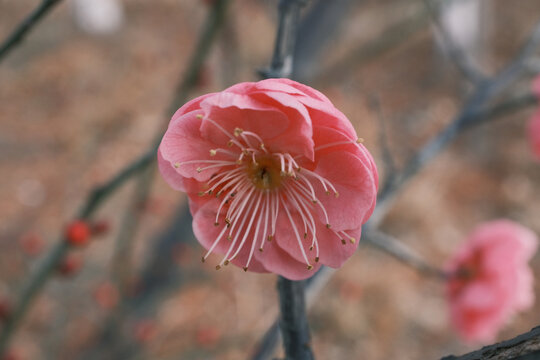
(352, 240)
(336, 194)
(226, 262)
(203, 259)
(218, 267)
(328, 226)
(359, 140)
(245, 268)
(239, 162)
(199, 116)
(229, 237)
(216, 224)
(262, 146)
(311, 248)
(261, 249)
(305, 235)
(176, 165)
(228, 222)
(199, 169)
(343, 241)
(327, 192)
(213, 152)
(270, 237)
(310, 267)
(200, 193)
(237, 132)
(317, 259)
(229, 143)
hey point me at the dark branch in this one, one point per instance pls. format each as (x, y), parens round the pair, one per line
(293, 321)
(282, 59)
(523, 347)
(25, 26)
(457, 55)
(101, 193)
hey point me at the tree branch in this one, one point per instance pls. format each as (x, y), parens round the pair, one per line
(101, 193)
(293, 321)
(25, 26)
(457, 55)
(400, 251)
(523, 347)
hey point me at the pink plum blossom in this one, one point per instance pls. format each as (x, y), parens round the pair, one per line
(276, 177)
(490, 279)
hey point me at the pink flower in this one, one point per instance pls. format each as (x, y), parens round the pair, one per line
(490, 279)
(276, 178)
(534, 134)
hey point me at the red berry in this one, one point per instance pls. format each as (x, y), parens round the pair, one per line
(70, 264)
(78, 233)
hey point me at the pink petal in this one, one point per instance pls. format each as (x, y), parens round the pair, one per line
(355, 183)
(183, 142)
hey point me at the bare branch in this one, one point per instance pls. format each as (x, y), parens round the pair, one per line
(282, 59)
(402, 252)
(293, 321)
(25, 26)
(97, 196)
(523, 347)
(457, 55)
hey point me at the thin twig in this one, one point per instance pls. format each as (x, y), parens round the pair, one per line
(457, 55)
(99, 194)
(384, 146)
(46, 269)
(25, 26)
(400, 251)
(390, 38)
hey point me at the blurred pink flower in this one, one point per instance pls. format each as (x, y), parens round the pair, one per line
(490, 279)
(534, 134)
(276, 178)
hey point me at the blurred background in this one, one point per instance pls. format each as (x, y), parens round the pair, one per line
(88, 91)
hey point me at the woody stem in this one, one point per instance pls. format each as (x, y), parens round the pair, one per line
(293, 321)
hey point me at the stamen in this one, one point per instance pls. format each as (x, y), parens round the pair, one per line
(257, 228)
(242, 222)
(296, 234)
(248, 229)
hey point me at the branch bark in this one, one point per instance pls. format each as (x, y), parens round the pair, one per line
(523, 347)
(18, 35)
